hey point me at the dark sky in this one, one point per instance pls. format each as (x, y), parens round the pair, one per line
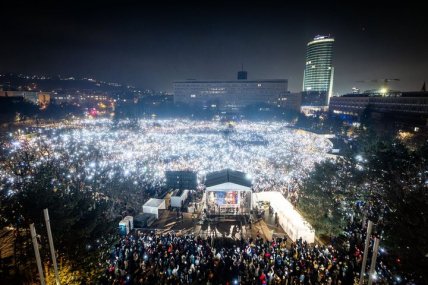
(150, 44)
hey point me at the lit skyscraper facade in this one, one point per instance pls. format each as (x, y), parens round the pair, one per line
(318, 76)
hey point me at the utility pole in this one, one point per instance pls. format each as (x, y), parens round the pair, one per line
(37, 253)
(51, 245)
(366, 249)
(373, 264)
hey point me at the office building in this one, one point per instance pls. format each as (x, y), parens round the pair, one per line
(319, 72)
(231, 95)
(290, 101)
(403, 106)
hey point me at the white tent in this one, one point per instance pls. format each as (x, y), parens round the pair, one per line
(289, 219)
(178, 197)
(124, 227)
(130, 219)
(153, 205)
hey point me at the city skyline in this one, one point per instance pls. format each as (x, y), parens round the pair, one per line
(213, 142)
(152, 45)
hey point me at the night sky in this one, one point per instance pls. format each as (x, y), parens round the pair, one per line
(150, 45)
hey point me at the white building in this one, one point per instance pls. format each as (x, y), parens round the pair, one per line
(153, 205)
(130, 221)
(178, 197)
(126, 225)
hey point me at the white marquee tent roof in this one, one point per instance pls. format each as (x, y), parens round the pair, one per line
(153, 202)
(290, 220)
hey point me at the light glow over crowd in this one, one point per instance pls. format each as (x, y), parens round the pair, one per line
(272, 154)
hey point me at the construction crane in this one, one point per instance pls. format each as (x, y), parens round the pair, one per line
(384, 81)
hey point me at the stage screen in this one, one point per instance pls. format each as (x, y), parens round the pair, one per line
(228, 202)
(226, 198)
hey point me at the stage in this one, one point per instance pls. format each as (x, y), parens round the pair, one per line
(228, 193)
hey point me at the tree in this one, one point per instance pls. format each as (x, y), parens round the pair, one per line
(398, 180)
(78, 216)
(318, 201)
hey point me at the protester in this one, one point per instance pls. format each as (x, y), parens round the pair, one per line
(142, 258)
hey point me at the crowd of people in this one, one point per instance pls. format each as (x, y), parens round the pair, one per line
(148, 258)
(103, 156)
(273, 155)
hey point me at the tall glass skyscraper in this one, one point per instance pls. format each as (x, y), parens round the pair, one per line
(318, 76)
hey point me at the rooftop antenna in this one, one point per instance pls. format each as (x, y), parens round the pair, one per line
(242, 75)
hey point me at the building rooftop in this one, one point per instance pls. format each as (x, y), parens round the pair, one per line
(227, 175)
(319, 39)
(392, 93)
(233, 81)
(415, 94)
(178, 192)
(153, 202)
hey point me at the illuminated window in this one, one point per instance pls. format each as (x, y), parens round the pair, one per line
(192, 96)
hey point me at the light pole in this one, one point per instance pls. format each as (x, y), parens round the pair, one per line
(51, 245)
(373, 264)
(366, 249)
(37, 253)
